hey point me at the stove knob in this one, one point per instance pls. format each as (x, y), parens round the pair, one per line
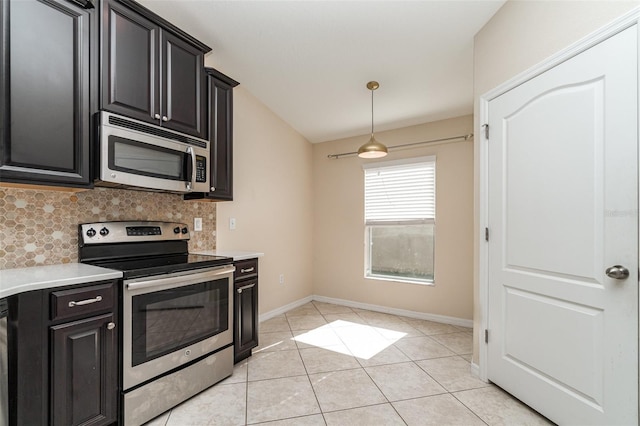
(91, 232)
(104, 232)
(176, 230)
(185, 230)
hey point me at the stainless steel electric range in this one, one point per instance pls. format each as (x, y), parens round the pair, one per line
(176, 309)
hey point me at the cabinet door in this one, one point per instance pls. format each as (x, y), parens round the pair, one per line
(220, 133)
(221, 137)
(183, 86)
(45, 92)
(130, 63)
(246, 318)
(83, 372)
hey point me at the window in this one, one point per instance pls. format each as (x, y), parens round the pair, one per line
(400, 211)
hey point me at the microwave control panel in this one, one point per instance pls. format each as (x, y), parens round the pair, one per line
(201, 169)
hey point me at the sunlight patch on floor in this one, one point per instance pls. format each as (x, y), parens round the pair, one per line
(359, 340)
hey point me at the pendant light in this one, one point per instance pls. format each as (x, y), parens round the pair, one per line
(373, 148)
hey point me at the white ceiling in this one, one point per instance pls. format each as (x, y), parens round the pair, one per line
(309, 61)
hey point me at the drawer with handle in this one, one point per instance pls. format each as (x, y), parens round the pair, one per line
(82, 301)
(245, 269)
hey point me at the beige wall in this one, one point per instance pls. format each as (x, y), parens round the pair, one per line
(520, 35)
(338, 188)
(272, 201)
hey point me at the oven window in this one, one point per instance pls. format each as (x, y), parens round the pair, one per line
(146, 159)
(168, 320)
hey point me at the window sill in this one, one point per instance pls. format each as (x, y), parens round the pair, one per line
(400, 280)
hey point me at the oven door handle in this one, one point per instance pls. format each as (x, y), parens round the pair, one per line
(182, 279)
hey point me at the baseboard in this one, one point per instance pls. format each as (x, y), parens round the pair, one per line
(283, 309)
(475, 370)
(402, 312)
(377, 308)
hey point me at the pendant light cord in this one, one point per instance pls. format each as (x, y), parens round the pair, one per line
(372, 112)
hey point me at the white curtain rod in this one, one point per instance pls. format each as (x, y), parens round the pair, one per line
(406, 145)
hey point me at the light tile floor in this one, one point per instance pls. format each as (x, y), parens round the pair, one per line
(324, 364)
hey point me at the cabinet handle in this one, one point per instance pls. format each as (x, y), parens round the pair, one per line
(244, 271)
(157, 116)
(85, 302)
(245, 287)
(111, 326)
(165, 118)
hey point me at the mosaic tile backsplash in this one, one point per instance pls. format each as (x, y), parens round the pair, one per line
(41, 227)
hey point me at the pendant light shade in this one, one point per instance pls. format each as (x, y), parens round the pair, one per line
(373, 148)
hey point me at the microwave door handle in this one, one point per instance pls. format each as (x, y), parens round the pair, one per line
(191, 171)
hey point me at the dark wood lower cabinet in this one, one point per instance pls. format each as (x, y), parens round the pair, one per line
(63, 356)
(245, 333)
(83, 372)
(246, 327)
(28, 363)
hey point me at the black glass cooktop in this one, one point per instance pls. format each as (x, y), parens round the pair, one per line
(156, 265)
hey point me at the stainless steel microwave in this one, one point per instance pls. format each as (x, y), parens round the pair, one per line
(135, 154)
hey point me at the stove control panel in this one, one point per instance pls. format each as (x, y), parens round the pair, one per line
(124, 232)
(143, 230)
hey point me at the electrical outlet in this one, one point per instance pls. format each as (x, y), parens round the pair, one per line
(281, 278)
(232, 223)
(197, 224)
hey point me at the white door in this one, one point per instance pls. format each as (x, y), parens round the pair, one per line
(563, 207)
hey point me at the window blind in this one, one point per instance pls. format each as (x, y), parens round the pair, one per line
(400, 193)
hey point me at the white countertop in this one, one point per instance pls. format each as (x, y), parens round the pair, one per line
(14, 281)
(235, 254)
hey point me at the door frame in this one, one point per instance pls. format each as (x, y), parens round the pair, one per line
(623, 22)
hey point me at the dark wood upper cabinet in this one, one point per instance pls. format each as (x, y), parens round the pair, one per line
(220, 131)
(46, 96)
(184, 106)
(151, 70)
(131, 64)
(52, 82)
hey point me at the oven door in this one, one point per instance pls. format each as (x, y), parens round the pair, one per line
(175, 319)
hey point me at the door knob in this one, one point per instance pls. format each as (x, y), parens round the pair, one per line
(617, 272)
